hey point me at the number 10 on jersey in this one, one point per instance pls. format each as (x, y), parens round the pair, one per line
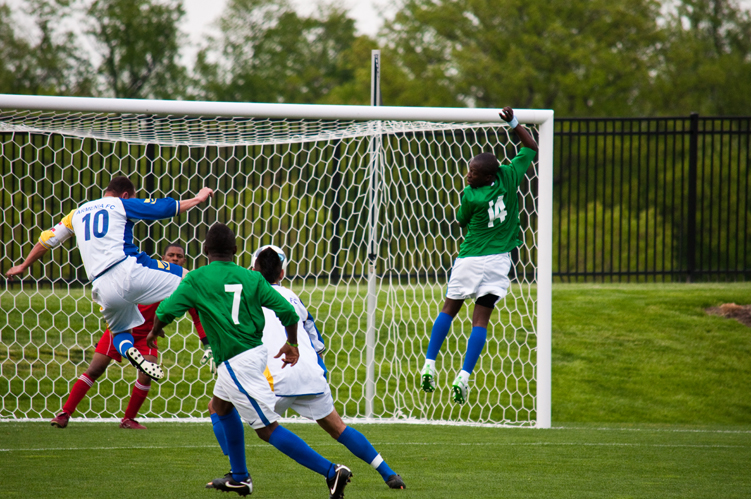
(496, 211)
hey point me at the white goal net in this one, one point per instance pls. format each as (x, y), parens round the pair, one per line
(363, 204)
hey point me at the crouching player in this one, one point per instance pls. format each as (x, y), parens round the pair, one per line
(106, 352)
(228, 299)
(490, 211)
(304, 389)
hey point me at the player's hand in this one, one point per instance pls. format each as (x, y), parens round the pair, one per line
(14, 271)
(204, 194)
(291, 355)
(506, 114)
(152, 336)
(208, 358)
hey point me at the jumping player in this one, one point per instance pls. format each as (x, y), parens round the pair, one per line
(106, 352)
(304, 389)
(490, 210)
(229, 300)
(121, 276)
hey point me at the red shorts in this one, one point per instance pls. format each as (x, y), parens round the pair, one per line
(105, 346)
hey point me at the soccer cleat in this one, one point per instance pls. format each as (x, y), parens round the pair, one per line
(336, 485)
(61, 420)
(131, 424)
(227, 484)
(460, 390)
(150, 369)
(428, 379)
(395, 482)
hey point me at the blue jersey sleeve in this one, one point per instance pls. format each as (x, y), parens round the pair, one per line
(151, 209)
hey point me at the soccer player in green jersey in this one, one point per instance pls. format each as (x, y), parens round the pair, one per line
(490, 211)
(228, 299)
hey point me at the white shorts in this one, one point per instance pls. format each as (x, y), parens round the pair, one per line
(240, 380)
(126, 285)
(477, 276)
(313, 407)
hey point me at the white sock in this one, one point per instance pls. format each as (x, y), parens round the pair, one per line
(463, 375)
(431, 363)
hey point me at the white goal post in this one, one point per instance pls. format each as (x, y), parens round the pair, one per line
(338, 187)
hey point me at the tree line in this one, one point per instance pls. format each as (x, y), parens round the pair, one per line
(581, 58)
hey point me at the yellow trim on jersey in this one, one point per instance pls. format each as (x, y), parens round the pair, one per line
(51, 238)
(269, 377)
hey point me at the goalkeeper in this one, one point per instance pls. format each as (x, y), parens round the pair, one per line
(490, 211)
(228, 299)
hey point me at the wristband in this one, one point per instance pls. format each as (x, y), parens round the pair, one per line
(292, 344)
(513, 123)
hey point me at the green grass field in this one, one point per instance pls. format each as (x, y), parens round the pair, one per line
(650, 399)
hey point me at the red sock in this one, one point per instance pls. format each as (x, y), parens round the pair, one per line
(140, 392)
(77, 393)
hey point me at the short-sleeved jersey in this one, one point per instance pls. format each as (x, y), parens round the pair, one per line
(104, 230)
(491, 212)
(228, 299)
(307, 377)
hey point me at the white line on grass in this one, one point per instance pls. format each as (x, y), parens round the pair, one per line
(499, 444)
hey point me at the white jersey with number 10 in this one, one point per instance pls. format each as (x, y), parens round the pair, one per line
(104, 230)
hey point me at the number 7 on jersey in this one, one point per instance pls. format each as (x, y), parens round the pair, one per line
(237, 289)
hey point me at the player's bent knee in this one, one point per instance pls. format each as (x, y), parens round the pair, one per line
(487, 301)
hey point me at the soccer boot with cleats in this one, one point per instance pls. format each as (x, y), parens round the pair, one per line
(149, 368)
(61, 420)
(427, 379)
(460, 390)
(131, 424)
(336, 485)
(228, 484)
(395, 482)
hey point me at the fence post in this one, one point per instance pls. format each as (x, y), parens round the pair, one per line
(693, 154)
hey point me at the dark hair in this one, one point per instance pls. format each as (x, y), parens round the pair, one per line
(220, 241)
(269, 264)
(486, 163)
(173, 245)
(121, 185)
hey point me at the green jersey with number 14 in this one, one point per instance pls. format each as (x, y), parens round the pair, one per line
(491, 212)
(228, 299)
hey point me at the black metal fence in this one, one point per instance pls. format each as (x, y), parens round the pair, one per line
(652, 199)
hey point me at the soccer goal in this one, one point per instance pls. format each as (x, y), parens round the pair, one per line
(363, 200)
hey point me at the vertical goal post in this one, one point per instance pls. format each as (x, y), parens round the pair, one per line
(460, 131)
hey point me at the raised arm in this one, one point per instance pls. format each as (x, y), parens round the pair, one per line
(202, 196)
(507, 115)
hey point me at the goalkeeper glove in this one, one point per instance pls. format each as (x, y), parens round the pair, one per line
(208, 358)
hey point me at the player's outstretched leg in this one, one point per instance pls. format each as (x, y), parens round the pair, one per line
(81, 387)
(124, 344)
(337, 475)
(475, 345)
(361, 447)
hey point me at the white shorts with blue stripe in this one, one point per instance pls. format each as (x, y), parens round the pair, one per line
(240, 380)
(128, 284)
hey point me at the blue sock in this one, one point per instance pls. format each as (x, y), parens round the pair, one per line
(475, 344)
(235, 437)
(362, 448)
(122, 342)
(219, 433)
(296, 448)
(441, 328)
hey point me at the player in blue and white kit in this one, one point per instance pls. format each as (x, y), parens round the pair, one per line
(121, 276)
(303, 387)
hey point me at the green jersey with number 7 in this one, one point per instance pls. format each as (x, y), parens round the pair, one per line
(491, 212)
(228, 299)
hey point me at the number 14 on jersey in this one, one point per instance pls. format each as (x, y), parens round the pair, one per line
(496, 211)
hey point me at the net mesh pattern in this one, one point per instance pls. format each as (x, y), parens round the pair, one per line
(337, 196)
